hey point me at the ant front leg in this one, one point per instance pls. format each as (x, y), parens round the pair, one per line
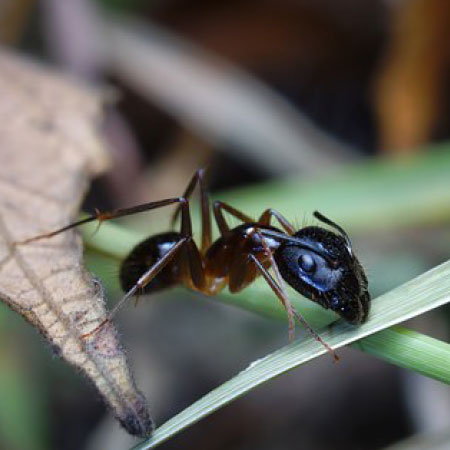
(277, 287)
(279, 292)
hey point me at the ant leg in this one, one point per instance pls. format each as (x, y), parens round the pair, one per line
(150, 274)
(108, 215)
(281, 294)
(269, 213)
(220, 219)
(199, 178)
(278, 287)
(142, 282)
(190, 260)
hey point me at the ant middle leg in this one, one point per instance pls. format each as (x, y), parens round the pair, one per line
(267, 215)
(218, 206)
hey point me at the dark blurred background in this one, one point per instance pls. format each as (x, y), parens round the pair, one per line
(255, 90)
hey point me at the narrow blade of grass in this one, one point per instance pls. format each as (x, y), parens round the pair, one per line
(411, 350)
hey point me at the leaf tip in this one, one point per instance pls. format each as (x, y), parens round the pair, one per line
(136, 420)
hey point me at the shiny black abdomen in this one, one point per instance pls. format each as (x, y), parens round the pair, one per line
(143, 256)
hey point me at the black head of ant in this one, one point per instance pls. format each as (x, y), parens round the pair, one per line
(321, 265)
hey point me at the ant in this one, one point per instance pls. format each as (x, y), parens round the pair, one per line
(316, 262)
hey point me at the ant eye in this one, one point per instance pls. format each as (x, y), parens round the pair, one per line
(307, 263)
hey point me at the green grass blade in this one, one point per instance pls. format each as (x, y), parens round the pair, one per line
(378, 194)
(410, 350)
(422, 294)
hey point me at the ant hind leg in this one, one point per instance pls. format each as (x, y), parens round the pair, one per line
(143, 281)
(107, 215)
(199, 178)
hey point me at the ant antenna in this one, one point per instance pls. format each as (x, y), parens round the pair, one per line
(324, 219)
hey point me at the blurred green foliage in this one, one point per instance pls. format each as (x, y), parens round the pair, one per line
(24, 415)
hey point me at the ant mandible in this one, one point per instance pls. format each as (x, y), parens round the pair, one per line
(318, 263)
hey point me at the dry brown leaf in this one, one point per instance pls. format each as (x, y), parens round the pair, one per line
(49, 150)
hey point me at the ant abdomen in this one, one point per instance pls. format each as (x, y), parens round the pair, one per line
(144, 256)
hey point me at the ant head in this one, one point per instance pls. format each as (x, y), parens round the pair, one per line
(320, 264)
